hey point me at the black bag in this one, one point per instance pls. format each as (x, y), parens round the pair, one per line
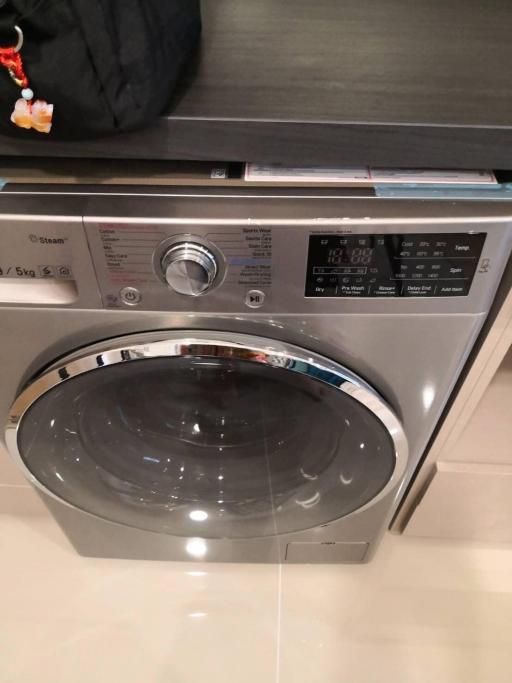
(106, 65)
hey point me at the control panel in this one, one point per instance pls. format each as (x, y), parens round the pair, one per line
(156, 266)
(397, 265)
(194, 252)
(273, 266)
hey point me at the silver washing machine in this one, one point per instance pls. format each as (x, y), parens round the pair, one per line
(234, 375)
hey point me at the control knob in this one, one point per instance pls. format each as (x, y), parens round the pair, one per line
(189, 268)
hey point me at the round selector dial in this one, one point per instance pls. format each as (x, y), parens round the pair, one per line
(189, 268)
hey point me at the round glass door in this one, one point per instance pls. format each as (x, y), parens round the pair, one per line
(202, 436)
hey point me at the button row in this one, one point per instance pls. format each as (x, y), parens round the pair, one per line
(394, 289)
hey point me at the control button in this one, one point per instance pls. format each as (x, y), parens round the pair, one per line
(383, 289)
(419, 289)
(461, 249)
(189, 268)
(352, 290)
(255, 298)
(455, 269)
(466, 246)
(461, 289)
(130, 296)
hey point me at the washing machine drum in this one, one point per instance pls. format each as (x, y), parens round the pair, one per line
(211, 435)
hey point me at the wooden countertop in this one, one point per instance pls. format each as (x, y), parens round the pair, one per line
(352, 82)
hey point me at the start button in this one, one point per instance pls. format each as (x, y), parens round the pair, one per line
(254, 298)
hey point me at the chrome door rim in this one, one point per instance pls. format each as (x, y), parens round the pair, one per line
(250, 348)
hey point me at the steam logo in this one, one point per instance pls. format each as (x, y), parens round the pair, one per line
(47, 240)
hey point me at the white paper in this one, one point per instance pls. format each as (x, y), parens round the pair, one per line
(429, 176)
(275, 173)
(321, 174)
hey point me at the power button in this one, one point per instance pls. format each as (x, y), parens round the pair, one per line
(130, 296)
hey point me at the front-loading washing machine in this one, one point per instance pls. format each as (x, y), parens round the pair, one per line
(234, 375)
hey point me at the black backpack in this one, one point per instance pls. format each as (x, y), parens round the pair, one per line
(106, 65)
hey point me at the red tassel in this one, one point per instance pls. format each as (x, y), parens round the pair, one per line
(27, 112)
(12, 61)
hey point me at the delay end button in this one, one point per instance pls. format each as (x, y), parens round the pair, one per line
(254, 298)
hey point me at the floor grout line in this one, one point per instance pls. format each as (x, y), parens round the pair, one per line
(279, 621)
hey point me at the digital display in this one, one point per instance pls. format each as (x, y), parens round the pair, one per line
(355, 256)
(397, 265)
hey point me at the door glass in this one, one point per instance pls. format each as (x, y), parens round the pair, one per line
(211, 447)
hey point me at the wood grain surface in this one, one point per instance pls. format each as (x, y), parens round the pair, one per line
(381, 82)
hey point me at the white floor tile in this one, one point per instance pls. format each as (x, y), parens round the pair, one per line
(70, 619)
(9, 473)
(422, 611)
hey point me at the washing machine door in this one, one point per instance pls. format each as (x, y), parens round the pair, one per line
(207, 434)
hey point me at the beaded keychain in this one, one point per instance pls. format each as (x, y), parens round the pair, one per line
(28, 113)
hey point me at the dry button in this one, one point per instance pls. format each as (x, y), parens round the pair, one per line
(130, 296)
(254, 298)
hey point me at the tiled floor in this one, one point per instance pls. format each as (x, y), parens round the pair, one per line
(420, 612)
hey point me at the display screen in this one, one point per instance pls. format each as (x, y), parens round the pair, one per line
(355, 256)
(413, 265)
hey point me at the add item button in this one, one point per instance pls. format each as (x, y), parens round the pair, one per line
(454, 290)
